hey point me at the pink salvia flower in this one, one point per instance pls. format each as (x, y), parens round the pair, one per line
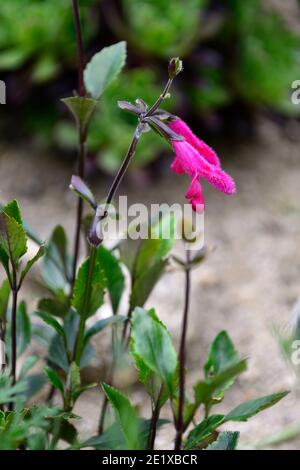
(195, 158)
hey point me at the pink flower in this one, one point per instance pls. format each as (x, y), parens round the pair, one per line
(195, 158)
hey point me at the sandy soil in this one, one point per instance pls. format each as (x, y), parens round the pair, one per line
(248, 284)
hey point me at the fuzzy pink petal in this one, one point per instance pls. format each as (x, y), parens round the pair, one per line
(186, 157)
(195, 195)
(219, 179)
(176, 166)
(181, 128)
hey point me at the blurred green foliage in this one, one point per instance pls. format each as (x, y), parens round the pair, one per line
(235, 52)
(40, 32)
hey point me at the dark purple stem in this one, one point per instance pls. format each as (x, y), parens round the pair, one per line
(182, 356)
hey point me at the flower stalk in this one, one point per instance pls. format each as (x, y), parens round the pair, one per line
(81, 139)
(179, 421)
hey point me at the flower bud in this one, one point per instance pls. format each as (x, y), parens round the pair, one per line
(175, 67)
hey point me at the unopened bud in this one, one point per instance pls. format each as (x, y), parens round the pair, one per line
(175, 67)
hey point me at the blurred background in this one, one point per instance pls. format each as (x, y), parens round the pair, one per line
(240, 59)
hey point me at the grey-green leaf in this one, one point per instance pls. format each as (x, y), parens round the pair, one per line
(104, 68)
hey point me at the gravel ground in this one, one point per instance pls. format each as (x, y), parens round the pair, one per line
(248, 284)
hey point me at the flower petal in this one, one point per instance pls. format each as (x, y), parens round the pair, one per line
(180, 127)
(195, 195)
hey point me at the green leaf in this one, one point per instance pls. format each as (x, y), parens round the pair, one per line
(144, 284)
(203, 431)
(250, 408)
(82, 109)
(12, 209)
(56, 266)
(9, 392)
(4, 298)
(54, 379)
(104, 68)
(114, 276)
(222, 354)
(90, 306)
(12, 238)
(226, 441)
(27, 365)
(102, 324)
(74, 378)
(126, 416)
(52, 322)
(205, 389)
(57, 306)
(31, 262)
(57, 353)
(4, 260)
(113, 437)
(23, 329)
(151, 342)
(150, 260)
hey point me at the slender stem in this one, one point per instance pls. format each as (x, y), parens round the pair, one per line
(14, 330)
(161, 98)
(81, 173)
(81, 138)
(153, 424)
(79, 343)
(121, 173)
(182, 356)
(76, 14)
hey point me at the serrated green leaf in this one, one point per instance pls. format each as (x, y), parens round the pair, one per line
(152, 343)
(227, 440)
(250, 408)
(104, 68)
(126, 416)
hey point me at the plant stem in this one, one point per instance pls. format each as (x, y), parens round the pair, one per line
(79, 343)
(179, 424)
(121, 173)
(76, 15)
(81, 173)
(14, 287)
(81, 138)
(153, 424)
(161, 98)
